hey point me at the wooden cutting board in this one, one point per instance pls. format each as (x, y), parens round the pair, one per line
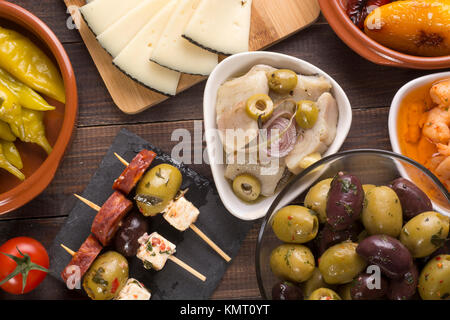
(272, 21)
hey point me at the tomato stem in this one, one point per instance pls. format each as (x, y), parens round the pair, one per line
(24, 266)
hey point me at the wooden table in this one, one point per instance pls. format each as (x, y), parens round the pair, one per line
(369, 87)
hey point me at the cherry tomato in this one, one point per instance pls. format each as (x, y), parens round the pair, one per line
(26, 260)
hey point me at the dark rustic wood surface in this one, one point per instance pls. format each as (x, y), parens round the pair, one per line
(370, 89)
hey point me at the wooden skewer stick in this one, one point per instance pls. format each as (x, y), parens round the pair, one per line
(192, 226)
(173, 258)
(69, 251)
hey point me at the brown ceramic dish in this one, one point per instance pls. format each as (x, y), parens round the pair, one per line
(38, 167)
(334, 12)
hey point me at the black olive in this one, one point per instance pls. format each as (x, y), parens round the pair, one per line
(133, 227)
(286, 290)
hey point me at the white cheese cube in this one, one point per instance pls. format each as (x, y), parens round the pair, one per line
(134, 290)
(155, 250)
(181, 214)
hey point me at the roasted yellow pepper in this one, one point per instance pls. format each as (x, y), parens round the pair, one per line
(5, 132)
(12, 154)
(34, 129)
(26, 62)
(5, 164)
(10, 109)
(27, 97)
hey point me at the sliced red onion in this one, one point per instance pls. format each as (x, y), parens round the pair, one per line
(284, 135)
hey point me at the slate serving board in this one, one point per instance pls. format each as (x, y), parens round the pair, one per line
(171, 283)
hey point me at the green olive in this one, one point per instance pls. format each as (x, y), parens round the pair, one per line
(324, 294)
(314, 283)
(295, 224)
(157, 188)
(362, 235)
(368, 187)
(246, 187)
(282, 81)
(106, 276)
(293, 262)
(259, 105)
(425, 233)
(307, 114)
(344, 291)
(382, 212)
(434, 280)
(316, 198)
(340, 263)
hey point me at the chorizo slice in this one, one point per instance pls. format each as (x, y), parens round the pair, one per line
(134, 171)
(83, 258)
(108, 218)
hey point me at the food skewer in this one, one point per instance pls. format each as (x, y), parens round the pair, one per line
(186, 203)
(170, 257)
(84, 259)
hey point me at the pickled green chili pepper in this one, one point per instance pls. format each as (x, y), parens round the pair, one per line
(12, 154)
(5, 164)
(10, 109)
(34, 129)
(27, 97)
(29, 64)
(5, 132)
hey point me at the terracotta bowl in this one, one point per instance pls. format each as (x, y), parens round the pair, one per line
(334, 12)
(38, 167)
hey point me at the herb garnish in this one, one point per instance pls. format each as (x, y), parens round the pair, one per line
(148, 199)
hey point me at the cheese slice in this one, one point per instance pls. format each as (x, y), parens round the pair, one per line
(134, 59)
(175, 52)
(100, 14)
(117, 36)
(221, 26)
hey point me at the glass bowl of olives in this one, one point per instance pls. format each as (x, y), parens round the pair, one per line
(359, 217)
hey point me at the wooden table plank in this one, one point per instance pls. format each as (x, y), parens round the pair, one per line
(90, 145)
(370, 89)
(367, 85)
(238, 282)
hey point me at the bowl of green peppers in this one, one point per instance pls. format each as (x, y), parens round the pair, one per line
(38, 106)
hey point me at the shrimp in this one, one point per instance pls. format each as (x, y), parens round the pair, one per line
(444, 149)
(443, 171)
(435, 125)
(440, 94)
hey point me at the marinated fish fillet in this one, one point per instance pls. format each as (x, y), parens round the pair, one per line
(319, 137)
(240, 89)
(236, 128)
(308, 87)
(269, 176)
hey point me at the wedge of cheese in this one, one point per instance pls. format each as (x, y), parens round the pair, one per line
(117, 36)
(134, 59)
(100, 14)
(177, 53)
(221, 26)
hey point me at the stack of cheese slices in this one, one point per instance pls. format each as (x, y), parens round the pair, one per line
(154, 41)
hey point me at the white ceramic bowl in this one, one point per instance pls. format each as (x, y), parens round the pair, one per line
(237, 65)
(395, 107)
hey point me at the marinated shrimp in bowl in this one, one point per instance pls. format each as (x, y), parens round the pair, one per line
(424, 128)
(273, 123)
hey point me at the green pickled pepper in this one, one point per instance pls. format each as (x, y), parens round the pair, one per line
(29, 64)
(12, 154)
(5, 164)
(34, 129)
(10, 109)
(6, 133)
(26, 96)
